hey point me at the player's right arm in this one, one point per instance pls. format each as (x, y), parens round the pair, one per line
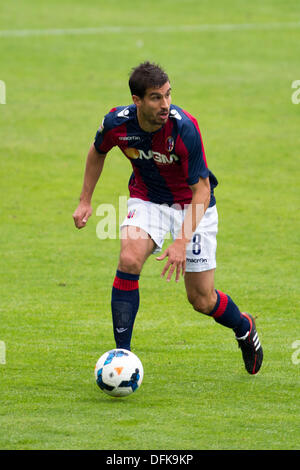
(104, 141)
(93, 170)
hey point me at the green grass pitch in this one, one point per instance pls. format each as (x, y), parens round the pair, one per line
(55, 318)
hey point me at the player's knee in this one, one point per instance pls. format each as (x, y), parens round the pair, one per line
(201, 302)
(130, 263)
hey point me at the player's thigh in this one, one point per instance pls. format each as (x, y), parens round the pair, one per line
(136, 247)
(200, 287)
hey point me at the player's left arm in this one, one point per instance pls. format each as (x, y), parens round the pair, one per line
(196, 210)
(176, 252)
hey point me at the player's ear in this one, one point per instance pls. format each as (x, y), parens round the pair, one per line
(136, 99)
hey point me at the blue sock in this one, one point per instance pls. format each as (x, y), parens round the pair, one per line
(228, 314)
(124, 306)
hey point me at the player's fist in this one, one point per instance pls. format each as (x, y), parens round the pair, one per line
(82, 213)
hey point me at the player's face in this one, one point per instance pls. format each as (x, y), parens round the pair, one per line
(153, 109)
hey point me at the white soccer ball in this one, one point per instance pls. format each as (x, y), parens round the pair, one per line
(119, 372)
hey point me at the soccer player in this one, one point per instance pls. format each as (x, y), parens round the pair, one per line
(171, 190)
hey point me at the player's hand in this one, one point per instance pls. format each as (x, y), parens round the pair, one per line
(176, 254)
(82, 213)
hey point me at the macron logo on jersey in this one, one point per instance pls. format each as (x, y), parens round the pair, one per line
(124, 113)
(175, 114)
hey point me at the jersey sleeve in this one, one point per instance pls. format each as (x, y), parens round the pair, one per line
(104, 139)
(191, 152)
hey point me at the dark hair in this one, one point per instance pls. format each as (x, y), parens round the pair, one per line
(146, 75)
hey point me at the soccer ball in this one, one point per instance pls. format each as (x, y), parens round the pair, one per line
(119, 372)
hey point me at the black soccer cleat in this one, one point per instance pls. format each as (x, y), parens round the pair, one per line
(251, 348)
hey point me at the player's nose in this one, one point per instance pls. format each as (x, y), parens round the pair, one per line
(165, 103)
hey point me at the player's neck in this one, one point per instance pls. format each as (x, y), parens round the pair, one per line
(145, 125)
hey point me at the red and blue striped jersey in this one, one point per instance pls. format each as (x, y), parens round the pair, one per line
(165, 162)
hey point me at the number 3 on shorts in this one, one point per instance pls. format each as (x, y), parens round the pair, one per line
(196, 244)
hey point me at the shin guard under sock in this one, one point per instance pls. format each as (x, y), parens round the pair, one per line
(124, 307)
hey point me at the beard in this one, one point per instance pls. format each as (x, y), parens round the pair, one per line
(155, 119)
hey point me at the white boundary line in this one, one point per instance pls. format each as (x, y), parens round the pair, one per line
(201, 28)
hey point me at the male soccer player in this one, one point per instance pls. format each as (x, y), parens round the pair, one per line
(171, 190)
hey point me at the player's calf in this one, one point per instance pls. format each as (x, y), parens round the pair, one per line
(203, 302)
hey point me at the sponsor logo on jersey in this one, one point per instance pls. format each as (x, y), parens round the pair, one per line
(157, 157)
